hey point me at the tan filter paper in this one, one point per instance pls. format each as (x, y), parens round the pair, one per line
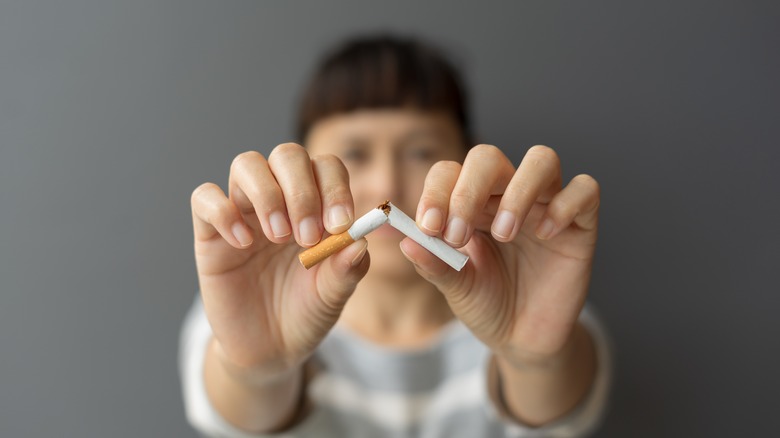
(364, 225)
(324, 249)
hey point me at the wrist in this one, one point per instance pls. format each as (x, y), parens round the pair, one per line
(270, 374)
(252, 400)
(525, 359)
(536, 389)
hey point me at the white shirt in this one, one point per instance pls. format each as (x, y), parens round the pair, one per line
(367, 390)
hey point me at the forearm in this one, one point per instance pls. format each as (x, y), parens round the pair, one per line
(536, 392)
(250, 403)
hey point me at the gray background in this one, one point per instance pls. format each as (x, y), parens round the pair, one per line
(112, 113)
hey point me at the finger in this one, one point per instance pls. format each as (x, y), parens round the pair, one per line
(254, 190)
(537, 179)
(435, 200)
(213, 213)
(453, 284)
(333, 181)
(292, 169)
(339, 274)
(486, 171)
(578, 202)
(485, 219)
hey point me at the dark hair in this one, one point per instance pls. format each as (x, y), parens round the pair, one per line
(383, 71)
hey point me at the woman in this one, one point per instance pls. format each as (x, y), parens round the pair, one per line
(391, 341)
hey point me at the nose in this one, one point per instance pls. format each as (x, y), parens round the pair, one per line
(385, 179)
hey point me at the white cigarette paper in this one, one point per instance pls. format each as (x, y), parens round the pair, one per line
(403, 223)
(367, 223)
(385, 213)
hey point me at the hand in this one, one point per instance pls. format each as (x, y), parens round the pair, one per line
(267, 313)
(522, 289)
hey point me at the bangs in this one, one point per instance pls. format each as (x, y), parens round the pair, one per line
(378, 73)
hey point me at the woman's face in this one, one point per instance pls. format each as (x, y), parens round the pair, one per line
(388, 153)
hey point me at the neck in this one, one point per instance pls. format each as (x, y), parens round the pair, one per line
(396, 313)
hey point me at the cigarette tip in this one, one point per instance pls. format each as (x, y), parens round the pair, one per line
(385, 207)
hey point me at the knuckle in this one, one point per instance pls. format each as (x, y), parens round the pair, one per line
(330, 164)
(522, 190)
(335, 193)
(221, 215)
(445, 167)
(286, 151)
(200, 190)
(264, 199)
(463, 199)
(544, 154)
(587, 181)
(241, 159)
(563, 208)
(593, 189)
(485, 151)
(326, 160)
(301, 197)
(254, 192)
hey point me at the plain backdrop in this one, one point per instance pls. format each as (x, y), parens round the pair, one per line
(111, 113)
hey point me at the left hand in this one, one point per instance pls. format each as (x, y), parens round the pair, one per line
(521, 291)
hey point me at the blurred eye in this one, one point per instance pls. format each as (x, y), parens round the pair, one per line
(421, 154)
(354, 155)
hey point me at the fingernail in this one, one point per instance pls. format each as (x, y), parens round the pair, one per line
(337, 217)
(362, 252)
(432, 220)
(308, 231)
(241, 234)
(279, 226)
(546, 229)
(504, 224)
(456, 231)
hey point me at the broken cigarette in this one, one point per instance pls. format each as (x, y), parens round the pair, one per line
(406, 225)
(385, 213)
(364, 225)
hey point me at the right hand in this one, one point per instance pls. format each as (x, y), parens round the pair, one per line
(266, 311)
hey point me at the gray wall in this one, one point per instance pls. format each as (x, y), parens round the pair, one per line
(112, 113)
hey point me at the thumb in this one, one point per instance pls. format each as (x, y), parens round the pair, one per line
(455, 285)
(338, 275)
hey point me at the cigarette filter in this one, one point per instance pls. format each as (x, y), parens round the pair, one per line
(364, 225)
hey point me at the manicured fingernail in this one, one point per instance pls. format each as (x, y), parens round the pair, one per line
(241, 234)
(309, 231)
(504, 224)
(361, 252)
(279, 226)
(546, 229)
(432, 220)
(456, 231)
(337, 217)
